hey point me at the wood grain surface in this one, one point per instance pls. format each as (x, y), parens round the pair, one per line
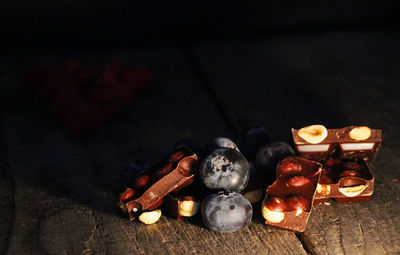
(61, 192)
(335, 79)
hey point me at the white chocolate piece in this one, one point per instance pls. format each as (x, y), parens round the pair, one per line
(313, 148)
(357, 146)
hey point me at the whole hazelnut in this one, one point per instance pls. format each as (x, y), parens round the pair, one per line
(298, 181)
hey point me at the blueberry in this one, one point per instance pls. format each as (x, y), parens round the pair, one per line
(269, 155)
(220, 142)
(131, 171)
(226, 212)
(225, 169)
(253, 139)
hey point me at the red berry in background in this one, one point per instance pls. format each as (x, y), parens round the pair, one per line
(107, 78)
(117, 67)
(83, 120)
(138, 79)
(65, 100)
(34, 76)
(71, 68)
(108, 102)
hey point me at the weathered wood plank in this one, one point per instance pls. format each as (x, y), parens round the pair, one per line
(66, 189)
(336, 79)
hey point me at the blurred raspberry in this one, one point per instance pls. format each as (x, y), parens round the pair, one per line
(71, 68)
(65, 100)
(83, 120)
(138, 79)
(117, 67)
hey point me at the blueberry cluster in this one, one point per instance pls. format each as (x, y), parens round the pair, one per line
(227, 171)
(236, 178)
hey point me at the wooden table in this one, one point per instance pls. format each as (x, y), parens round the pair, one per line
(57, 194)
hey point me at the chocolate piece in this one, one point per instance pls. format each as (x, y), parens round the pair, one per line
(148, 189)
(350, 181)
(344, 154)
(289, 199)
(340, 142)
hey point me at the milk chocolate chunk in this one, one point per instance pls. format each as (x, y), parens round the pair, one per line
(150, 186)
(350, 181)
(353, 142)
(289, 199)
(345, 153)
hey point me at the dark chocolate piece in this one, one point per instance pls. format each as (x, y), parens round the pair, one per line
(289, 199)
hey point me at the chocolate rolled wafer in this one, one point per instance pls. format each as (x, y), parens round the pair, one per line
(179, 177)
(147, 190)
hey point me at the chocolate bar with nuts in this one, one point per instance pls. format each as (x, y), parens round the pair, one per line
(289, 199)
(344, 154)
(148, 189)
(345, 180)
(318, 143)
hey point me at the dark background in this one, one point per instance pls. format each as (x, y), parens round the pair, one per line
(45, 24)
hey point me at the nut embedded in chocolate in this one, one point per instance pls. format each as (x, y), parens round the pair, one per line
(313, 134)
(298, 181)
(360, 133)
(273, 209)
(289, 166)
(298, 203)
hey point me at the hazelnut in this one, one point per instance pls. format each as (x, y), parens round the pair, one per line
(188, 206)
(150, 217)
(325, 180)
(348, 173)
(331, 162)
(352, 186)
(351, 165)
(360, 133)
(298, 203)
(289, 166)
(313, 134)
(142, 181)
(273, 209)
(127, 194)
(323, 189)
(298, 181)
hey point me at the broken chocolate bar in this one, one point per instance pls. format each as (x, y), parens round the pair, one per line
(344, 154)
(148, 188)
(318, 143)
(345, 180)
(289, 199)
